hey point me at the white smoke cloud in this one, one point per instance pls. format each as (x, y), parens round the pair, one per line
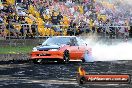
(121, 51)
(116, 50)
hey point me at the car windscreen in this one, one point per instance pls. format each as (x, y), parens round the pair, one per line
(57, 41)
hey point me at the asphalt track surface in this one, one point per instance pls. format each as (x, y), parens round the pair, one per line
(57, 75)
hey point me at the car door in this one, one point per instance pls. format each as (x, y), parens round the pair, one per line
(74, 49)
(81, 48)
(73, 52)
(81, 51)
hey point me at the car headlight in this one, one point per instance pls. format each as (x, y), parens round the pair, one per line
(53, 49)
(34, 49)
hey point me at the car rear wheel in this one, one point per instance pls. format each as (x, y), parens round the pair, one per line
(83, 60)
(66, 56)
(85, 57)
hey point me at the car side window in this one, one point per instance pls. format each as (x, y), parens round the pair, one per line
(73, 42)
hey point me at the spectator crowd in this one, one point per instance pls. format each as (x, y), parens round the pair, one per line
(30, 18)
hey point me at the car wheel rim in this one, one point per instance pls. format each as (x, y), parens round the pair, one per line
(66, 56)
(83, 60)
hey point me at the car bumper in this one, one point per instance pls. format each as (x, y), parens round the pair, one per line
(46, 55)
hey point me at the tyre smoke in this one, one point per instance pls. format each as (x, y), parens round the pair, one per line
(109, 49)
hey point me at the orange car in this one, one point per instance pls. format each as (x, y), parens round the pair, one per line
(61, 48)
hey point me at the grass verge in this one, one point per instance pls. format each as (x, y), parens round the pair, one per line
(15, 49)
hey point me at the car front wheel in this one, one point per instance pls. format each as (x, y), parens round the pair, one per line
(34, 61)
(37, 61)
(66, 56)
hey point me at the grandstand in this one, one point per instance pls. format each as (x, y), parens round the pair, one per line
(31, 18)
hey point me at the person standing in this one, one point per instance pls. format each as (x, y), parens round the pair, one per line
(59, 17)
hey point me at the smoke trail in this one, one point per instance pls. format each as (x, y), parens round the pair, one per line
(110, 50)
(121, 51)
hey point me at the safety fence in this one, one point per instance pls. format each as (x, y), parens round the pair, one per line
(27, 31)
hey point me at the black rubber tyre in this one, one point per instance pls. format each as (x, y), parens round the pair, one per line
(83, 60)
(66, 56)
(34, 61)
(85, 57)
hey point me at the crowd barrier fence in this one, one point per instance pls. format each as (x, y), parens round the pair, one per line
(27, 31)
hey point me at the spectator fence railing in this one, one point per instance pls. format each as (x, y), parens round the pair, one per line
(106, 31)
(101, 31)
